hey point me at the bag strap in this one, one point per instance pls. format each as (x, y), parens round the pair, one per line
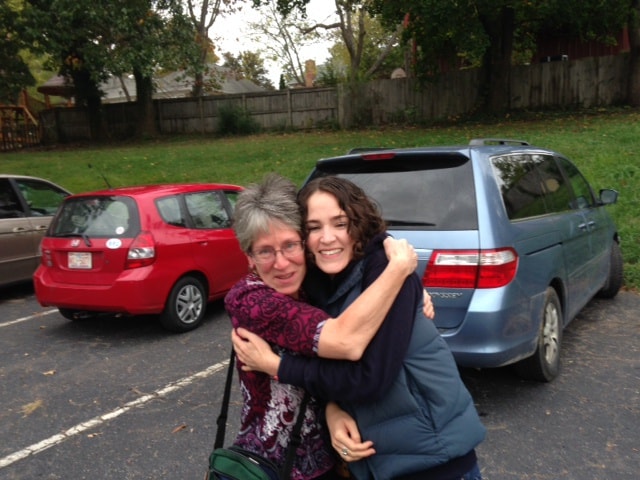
(296, 437)
(224, 408)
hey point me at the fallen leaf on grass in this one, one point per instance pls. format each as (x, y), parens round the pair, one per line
(49, 372)
(29, 408)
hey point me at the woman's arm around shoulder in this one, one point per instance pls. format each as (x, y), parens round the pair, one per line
(347, 336)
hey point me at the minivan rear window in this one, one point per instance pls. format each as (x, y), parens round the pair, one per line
(416, 192)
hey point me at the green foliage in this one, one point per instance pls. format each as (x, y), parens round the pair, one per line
(407, 116)
(37, 66)
(285, 7)
(14, 72)
(109, 36)
(328, 75)
(598, 20)
(150, 34)
(249, 65)
(461, 33)
(445, 33)
(236, 121)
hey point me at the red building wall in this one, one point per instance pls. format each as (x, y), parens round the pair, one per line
(553, 48)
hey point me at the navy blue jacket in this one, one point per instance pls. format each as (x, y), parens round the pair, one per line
(405, 393)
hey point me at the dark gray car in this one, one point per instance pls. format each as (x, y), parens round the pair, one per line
(27, 205)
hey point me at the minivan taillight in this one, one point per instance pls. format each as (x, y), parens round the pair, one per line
(378, 156)
(142, 251)
(471, 268)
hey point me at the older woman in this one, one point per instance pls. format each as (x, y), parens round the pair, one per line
(268, 301)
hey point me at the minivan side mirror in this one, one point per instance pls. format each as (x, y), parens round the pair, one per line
(608, 196)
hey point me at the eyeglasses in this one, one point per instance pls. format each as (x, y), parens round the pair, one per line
(268, 254)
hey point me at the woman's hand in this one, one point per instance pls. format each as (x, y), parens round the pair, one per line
(254, 352)
(345, 436)
(428, 309)
(402, 253)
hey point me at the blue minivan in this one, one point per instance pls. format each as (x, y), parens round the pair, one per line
(512, 240)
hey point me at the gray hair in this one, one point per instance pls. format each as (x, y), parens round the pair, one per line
(259, 205)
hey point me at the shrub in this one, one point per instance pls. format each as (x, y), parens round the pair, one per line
(236, 121)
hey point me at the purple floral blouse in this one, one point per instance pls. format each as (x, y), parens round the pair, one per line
(270, 408)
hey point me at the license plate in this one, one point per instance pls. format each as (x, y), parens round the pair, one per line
(80, 260)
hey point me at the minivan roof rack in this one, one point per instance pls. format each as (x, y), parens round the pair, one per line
(497, 141)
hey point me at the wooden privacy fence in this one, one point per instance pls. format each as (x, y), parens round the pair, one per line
(584, 83)
(284, 109)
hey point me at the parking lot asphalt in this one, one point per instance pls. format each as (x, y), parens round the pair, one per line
(583, 425)
(56, 376)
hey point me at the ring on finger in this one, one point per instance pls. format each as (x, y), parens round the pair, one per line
(345, 451)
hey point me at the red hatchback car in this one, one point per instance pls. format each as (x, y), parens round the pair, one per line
(158, 249)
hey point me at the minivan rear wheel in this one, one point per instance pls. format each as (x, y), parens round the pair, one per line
(616, 276)
(544, 364)
(185, 306)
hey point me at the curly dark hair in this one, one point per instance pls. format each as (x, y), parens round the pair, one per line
(365, 220)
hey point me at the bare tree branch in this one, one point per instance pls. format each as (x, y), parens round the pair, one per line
(386, 51)
(312, 28)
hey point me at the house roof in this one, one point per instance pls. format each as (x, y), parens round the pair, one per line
(57, 86)
(171, 85)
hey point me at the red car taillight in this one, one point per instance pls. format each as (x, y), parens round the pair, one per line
(471, 268)
(142, 251)
(46, 258)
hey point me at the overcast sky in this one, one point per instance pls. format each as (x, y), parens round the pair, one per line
(235, 37)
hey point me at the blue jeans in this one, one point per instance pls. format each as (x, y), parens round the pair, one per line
(473, 474)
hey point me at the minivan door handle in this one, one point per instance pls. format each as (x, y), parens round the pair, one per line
(583, 226)
(19, 230)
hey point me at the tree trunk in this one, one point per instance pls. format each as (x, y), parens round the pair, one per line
(146, 124)
(198, 81)
(87, 94)
(497, 61)
(633, 93)
(198, 84)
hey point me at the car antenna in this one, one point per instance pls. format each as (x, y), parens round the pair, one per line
(103, 177)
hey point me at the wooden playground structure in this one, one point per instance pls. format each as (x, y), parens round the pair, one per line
(19, 127)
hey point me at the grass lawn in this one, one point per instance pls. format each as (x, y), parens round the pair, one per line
(605, 145)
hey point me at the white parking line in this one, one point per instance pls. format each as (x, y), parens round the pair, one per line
(99, 420)
(30, 317)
